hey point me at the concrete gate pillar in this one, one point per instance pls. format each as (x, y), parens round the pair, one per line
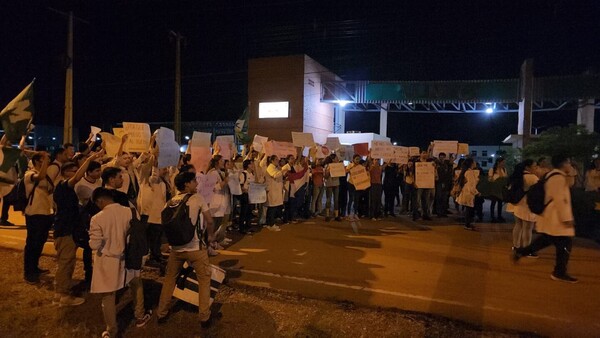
(383, 113)
(585, 114)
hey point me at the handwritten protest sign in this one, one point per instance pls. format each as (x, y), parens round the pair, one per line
(206, 186)
(111, 143)
(400, 155)
(224, 146)
(200, 156)
(119, 132)
(281, 149)
(257, 193)
(168, 149)
(302, 139)
(321, 151)
(258, 142)
(447, 147)
(360, 178)
(463, 149)
(94, 130)
(233, 181)
(424, 175)
(138, 136)
(333, 143)
(413, 151)
(337, 169)
(382, 149)
(200, 139)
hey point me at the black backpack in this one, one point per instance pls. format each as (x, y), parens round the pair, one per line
(176, 222)
(18, 198)
(536, 195)
(137, 241)
(511, 194)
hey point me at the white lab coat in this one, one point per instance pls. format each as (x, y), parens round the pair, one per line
(469, 190)
(274, 180)
(521, 209)
(559, 208)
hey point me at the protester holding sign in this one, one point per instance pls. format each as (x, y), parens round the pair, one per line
(467, 180)
(274, 179)
(332, 184)
(424, 185)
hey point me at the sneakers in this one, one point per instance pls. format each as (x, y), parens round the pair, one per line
(105, 334)
(532, 255)
(218, 246)
(212, 252)
(70, 301)
(274, 228)
(226, 241)
(515, 256)
(139, 322)
(564, 278)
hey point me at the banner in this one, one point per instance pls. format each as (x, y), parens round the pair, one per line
(8, 158)
(257, 193)
(206, 186)
(258, 142)
(200, 158)
(400, 155)
(424, 175)
(463, 149)
(138, 137)
(111, 143)
(281, 149)
(447, 147)
(360, 178)
(382, 149)
(413, 151)
(337, 169)
(17, 114)
(302, 139)
(361, 148)
(224, 146)
(200, 139)
(168, 149)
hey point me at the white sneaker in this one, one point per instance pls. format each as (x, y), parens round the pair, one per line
(218, 246)
(70, 301)
(274, 228)
(227, 240)
(212, 252)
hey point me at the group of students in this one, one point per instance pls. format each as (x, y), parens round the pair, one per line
(89, 201)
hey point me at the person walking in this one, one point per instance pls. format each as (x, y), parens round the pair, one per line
(468, 180)
(522, 179)
(194, 252)
(556, 223)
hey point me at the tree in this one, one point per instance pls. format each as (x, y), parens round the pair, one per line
(573, 141)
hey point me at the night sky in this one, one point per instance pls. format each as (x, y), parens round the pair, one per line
(124, 60)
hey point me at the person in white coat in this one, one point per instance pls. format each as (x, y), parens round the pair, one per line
(468, 179)
(108, 237)
(274, 180)
(556, 223)
(522, 179)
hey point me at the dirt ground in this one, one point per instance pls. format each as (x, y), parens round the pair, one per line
(27, 311)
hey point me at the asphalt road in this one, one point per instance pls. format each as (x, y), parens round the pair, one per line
(434, 267)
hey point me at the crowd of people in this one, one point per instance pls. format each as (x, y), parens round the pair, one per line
(89, 200)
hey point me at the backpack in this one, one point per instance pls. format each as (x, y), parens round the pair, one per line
(176, 222)
(18, 198)
(137, 242)
(536, 195)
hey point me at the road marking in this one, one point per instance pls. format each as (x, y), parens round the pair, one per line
(400, 294)
(13, 237)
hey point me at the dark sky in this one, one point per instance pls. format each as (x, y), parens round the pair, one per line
(124, 61)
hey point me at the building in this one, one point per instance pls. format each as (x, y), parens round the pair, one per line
(486, 155)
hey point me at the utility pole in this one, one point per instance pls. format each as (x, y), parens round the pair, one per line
(177, 120)
(68, 125)
(68, 119)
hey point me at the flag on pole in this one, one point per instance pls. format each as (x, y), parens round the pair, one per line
(17, 115)
(241, 127)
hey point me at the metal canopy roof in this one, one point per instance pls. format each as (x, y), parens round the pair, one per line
(550, 93)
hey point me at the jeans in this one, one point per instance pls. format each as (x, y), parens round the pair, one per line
(390, 196)
(408, 198)
(332, 193)
(375, 201)
(441, 199)
(423, 199)
(353, 197)
(317, 198)
(493, 205)
(109, 305)
(199, 261)
(272, 213)
(38, 227)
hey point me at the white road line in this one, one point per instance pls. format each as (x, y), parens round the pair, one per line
(401, 294)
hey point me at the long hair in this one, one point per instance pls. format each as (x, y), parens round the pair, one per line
(498, 161)
(516, 179)
(466, 166)
(213, 162)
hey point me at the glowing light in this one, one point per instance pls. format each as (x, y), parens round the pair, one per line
(489, 110)
(342, 103)
(395, 143)
(186, 137)
(53, 138)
